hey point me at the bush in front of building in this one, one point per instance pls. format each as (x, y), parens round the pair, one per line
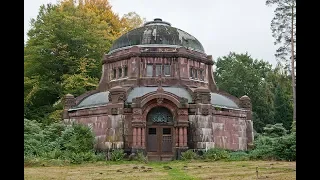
(73, 143)
(215, 154)
(275, 144)
(189, 155)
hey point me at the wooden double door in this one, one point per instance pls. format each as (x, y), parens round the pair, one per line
(160, 140)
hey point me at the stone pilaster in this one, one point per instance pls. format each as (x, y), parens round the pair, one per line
(245, 102)
(69, 101)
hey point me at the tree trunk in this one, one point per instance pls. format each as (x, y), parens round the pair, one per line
(292, 65)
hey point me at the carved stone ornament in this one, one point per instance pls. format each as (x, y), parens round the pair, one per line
(160, 100)
(183, 100)
(205, 111)
(114, 111)
(183, 112)
(196, 97)
(136, 100)
(206, 98)
(137, 111)
(121, 97)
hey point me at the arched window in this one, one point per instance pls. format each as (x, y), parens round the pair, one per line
(159, 115)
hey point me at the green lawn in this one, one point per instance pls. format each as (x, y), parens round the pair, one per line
(244, 170)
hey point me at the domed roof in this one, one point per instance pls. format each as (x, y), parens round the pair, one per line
(157, 32)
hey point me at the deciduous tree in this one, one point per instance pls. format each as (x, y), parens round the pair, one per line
(64, 49)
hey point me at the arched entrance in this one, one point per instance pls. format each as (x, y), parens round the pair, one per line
(160, 133)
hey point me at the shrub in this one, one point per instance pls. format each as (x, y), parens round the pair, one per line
(58, 141)
(141, 157)
(275, 148)
(117, 155)
(263, 148)
(275, 130)
(80, 157)
(189, 155)
(238, 156)
(285, 147)
(216, 154)
(54, 154)
(77, 138)
(100, 156)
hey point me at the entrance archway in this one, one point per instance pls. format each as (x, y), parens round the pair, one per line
(160, 133)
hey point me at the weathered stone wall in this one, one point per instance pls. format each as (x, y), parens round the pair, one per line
(108, 129)
(226, 130)
(201, 132)
(230, 132)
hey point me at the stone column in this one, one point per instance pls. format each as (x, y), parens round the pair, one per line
(138, 129)
(143, 145)
(185, 136)
(180, 137)
(134, 138)
(177, 136)
(139, 137)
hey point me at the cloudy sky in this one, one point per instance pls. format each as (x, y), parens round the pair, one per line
(220, 25)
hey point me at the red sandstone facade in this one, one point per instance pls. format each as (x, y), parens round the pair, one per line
(161, 99)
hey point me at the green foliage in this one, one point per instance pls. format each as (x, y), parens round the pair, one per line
(63, 53)
(73, 143)
(78, 158)
(285, 147)
(189, 155)
(239, 75)
(141, 157)
(269, 89)
(293, 126)
(263, 148)
(238, 156)
(216, 154)
(275, 130)
(77, 138)
(117, 155)
(283, 107)
(275, 144)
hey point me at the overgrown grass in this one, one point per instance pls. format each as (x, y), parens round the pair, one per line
(195, 169)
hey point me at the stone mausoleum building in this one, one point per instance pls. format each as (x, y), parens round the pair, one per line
(157, 94)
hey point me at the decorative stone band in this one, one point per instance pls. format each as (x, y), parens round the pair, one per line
(182, 52)
(138, 124)
(101, 110)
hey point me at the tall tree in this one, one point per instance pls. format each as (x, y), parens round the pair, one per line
(283, 107)
(64, 50)
(239, 74)
(283, 27)
(282, 91)
(269, 88)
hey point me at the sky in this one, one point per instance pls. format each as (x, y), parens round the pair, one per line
(221, 26)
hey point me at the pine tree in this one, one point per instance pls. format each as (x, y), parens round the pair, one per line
(283, 27)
